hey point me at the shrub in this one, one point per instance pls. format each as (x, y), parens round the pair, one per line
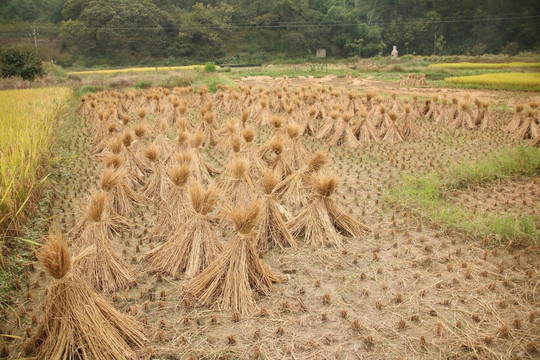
(15, 62)
(210, 67)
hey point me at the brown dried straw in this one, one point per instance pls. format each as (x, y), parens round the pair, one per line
(231, 281)
(322, 222)
(272, 230)
(194, 244)
(77, 323)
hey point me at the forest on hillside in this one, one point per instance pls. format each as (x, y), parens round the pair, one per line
(120, 31)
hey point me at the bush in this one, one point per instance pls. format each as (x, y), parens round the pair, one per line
(54, 69)
(15, 62)
(210, 67)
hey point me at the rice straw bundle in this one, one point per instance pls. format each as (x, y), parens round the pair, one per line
(517, 120)
(272, 230)
(484, 120)
(343, 133)
(173, 209)
(328, 127)
(427, 107)
(273, 158)
(182, 120)
(382, 119)
(208, 127)
(158, 186)
(408, 129)
(277, 125)
(464, 120)
(194, 244)
(307, 122)
(77, 323)
(112, 132)
(263, 114)
(296, 188)
(231, 281)
(392, 134)
(366, 132)
(100, 127)
(296, 154)
(122, 197)
(236, 186)
(134, 165)
(162, 142)
(529, 128)
(432, 113)
(249, 152)
(234, 104)
(445, 114)
(235, 144)
(200, 169)
(99, 264)
(322, 221)
(114, 222)
(535, 141)
(226, 133)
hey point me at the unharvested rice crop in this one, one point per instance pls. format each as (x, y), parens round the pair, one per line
(27, 119)
(529, 81)
(138, 70)
(468, 65)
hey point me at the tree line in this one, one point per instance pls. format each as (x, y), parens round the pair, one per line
(232, 30)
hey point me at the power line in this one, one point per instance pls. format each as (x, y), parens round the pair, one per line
(283, 25)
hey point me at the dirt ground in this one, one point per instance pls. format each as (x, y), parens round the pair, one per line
(408, 290)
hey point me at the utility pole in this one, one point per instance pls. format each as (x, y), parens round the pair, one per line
(35, 35)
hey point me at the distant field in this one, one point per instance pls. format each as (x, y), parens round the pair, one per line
(139, 69)
(468, 65)
(515, 81)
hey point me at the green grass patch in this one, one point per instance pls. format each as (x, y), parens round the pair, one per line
(519, 161)
(425, 196)
(469, 65)
(212, 80)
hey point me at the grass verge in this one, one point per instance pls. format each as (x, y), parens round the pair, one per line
(425, 196)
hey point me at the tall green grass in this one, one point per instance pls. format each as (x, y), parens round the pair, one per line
(425, 196)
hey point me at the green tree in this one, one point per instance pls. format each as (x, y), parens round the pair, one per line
(204, 30)
(17, 62)
(116, 28)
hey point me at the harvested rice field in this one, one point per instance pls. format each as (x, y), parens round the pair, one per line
(271, 222)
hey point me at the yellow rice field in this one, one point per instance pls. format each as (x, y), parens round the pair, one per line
(529, 81)
(139, 69)
(27, 119)
(468, 65)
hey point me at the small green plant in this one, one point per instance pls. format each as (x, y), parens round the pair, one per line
(425, 196)
(210, 67)
(22, 63)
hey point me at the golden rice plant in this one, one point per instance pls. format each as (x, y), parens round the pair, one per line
(27, 123)
(136, 70)
(525, 81)
(468, 65)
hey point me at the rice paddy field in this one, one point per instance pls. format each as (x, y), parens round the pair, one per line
(287, 218)
(511, 80)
